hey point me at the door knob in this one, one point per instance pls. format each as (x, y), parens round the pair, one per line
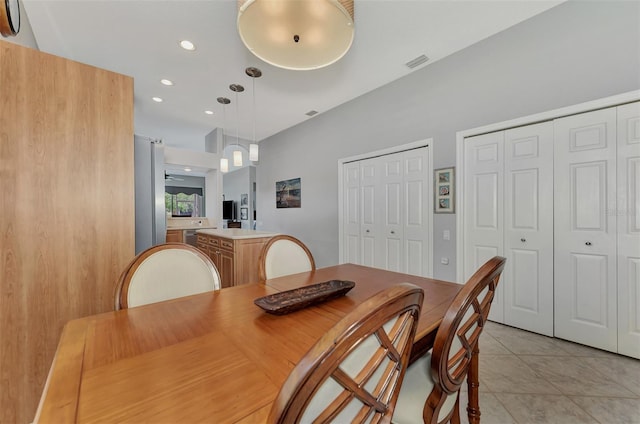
(588, 243)
(523, 240)
(368, 231)
(393, 232)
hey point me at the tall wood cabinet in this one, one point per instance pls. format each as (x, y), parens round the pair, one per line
(67, 220)
(561, 200)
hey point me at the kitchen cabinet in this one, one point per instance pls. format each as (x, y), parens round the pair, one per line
(175, 236)
(235, 253)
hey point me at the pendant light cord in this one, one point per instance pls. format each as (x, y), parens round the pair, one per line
(253, 81)
(237, 122)
(224, 125)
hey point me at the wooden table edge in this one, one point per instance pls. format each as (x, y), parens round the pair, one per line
(65, 374)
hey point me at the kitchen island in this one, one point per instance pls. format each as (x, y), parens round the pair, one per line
(234, 251)
(183, 229)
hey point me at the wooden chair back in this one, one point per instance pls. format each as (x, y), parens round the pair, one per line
(163, 272)
(284, 255)
(457, 338)
(354, 372)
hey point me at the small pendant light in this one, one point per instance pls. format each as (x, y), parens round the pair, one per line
(224, 162)
(253, 147)
(237, 154)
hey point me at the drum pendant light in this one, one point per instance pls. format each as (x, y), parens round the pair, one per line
(224, 162)
(253, 147)
(237, 154)
(296, 34)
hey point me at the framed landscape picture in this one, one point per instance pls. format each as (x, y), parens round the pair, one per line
(444, 189)
(288, 193)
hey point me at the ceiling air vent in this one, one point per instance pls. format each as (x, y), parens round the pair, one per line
(311, 113)
(417, 61)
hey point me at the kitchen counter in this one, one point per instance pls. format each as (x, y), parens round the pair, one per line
(189, 223)
(236, 233)
(191, 227)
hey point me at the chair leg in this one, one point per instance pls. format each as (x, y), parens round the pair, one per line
(473, 408)
(455, 417)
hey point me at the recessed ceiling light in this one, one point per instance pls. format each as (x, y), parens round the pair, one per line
(187, 45)
(166, 82)
(187, 169)
(157, 99)
(208, 112)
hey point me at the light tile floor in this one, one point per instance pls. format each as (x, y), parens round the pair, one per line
(529, 378)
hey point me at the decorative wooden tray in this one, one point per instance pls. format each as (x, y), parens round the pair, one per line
(292, 300)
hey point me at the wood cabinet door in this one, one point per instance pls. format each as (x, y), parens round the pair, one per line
(174, 236)
(225, 268)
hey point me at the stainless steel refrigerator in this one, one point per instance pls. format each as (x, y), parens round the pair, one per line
(151, 221)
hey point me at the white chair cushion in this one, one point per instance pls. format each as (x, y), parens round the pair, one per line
(416, 387)
(285, 258)
(169, 274)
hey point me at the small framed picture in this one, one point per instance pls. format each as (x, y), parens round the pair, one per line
(244, 214)
(444, 183)
(244, 200)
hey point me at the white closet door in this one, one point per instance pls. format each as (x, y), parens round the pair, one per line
(585, 229)
(351, 221)
(417, 195)
(629, 229)
(528, 275)
(386, 207)
(483, 199)
(390, 204)
(369, 216)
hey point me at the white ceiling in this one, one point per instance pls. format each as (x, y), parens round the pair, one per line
(140, 38)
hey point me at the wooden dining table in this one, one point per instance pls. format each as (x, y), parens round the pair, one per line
(214, 357)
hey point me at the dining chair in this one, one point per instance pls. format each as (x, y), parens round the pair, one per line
(354, 371)
(431, 389)
(284, 255)
(163, 272)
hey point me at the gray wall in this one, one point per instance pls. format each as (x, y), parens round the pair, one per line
(575, 52)
(240, 182)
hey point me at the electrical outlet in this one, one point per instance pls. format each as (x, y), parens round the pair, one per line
(446, 235)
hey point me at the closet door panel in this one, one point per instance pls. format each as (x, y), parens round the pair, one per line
(390, 204)
(351, 192)
(629, 229)
(585, 229)
(417, 192)
(369, 179)
(483, 197)
(528, 275)
(386, 202)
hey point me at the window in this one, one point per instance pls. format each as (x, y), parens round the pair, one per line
(178, 203)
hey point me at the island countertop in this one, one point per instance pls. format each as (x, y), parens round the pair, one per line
(236, 233)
